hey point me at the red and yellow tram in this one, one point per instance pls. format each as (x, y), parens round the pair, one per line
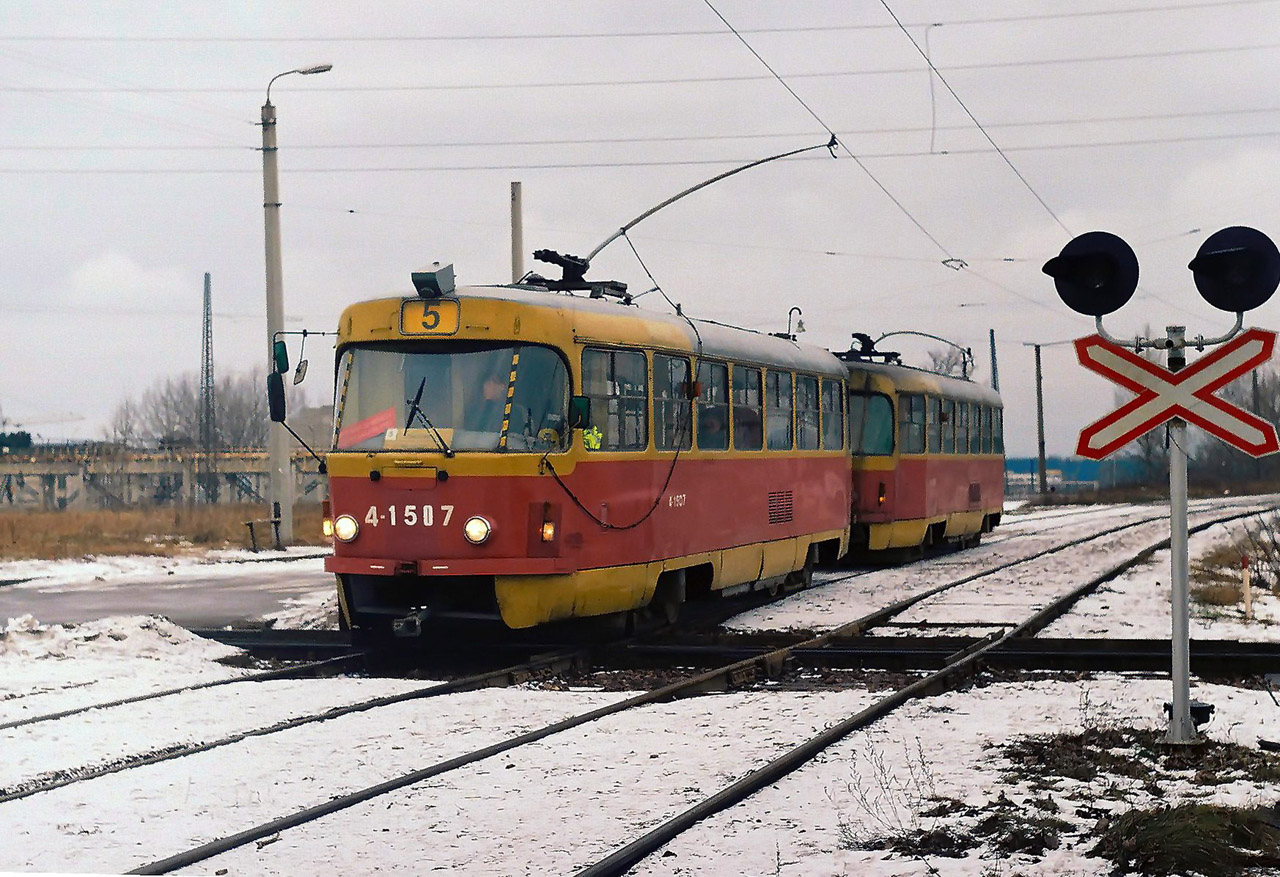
(510, 452)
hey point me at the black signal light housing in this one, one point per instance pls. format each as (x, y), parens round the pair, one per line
(1237, 269)
(1095, 274)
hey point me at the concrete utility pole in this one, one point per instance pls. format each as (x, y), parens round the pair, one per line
(517, 233)
(1040, 422)
(278, 450)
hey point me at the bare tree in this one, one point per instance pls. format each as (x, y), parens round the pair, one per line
(125, 428)
(169, 413)
(242, 412)
(171, 410)
(1218, 462)
(952, 361)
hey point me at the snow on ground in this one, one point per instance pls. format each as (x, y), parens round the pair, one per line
(846, 595)
(48, 668)
(874, 781)
(1137, 604)
(220, 588)
(91, 568)
(315, 611)
(557, 805)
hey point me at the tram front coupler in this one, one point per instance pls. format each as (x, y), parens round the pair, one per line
(410, 626)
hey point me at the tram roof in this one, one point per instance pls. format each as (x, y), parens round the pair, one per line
(910, 379)
(710, 338)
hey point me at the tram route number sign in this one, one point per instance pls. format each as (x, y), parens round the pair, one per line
(434, 316)
(1189, 393)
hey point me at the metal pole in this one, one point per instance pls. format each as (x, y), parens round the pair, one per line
(517, 233)
(1181, 728)
(1040, 420)
(278, 451)
(995, 372)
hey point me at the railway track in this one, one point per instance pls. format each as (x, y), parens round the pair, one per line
(1209, 658)
(961, 663)
(533, 659)
(311, 668)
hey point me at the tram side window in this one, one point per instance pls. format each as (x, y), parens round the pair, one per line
(616, 383)
(911, 423)
(777, 412)
(984, 424)
(997, 430)
(870, 424)
(748, 410)
(672, 411)
(935, 425)
(962, 427)
(807, 407)
(833, 416)
(948, 426)
(713, 406)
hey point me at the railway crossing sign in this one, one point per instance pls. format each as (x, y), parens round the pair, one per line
(1189, 394)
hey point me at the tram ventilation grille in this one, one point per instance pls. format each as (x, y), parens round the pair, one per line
(780, 507)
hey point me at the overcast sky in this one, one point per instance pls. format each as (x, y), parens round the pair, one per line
(130, 166)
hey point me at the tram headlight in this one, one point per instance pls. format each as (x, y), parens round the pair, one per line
(345, 528)
(476, 530)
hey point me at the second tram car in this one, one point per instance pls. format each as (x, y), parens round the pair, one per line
(928, 456)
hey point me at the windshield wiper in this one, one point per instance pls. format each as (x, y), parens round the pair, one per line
(414, 408)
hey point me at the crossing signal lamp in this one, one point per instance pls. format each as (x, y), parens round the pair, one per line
(1095, 274)
(1236, 269)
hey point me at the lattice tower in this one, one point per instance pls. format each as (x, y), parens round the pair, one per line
(208, 468)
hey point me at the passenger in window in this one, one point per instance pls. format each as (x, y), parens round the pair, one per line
(747, 429)
(711, 430)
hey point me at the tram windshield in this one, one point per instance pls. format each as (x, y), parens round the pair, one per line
(451, 397)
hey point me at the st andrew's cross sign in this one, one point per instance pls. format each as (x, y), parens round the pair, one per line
(1189, 393)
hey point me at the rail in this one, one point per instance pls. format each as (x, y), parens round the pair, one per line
(959, 664)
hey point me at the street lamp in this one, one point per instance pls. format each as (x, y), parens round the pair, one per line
(278, 451)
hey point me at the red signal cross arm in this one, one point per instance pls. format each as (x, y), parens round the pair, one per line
(1163, 395)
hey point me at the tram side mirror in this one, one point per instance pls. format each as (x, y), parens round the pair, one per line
(579, 412)
(280, 356)
(300, 372)
(1236, 269)
(1095, 274)
(275, 397)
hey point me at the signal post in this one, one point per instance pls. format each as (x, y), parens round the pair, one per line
(1236, 269)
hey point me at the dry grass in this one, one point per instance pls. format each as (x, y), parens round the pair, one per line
(1192, 838)
(1218, 594)
(167, 530)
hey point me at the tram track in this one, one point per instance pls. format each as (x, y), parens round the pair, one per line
(548, 659)
(291, 672)
(961, 663)
(1209, 658)
(504, 676)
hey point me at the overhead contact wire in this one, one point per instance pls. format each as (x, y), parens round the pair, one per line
(974, 119)
(901, 207)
